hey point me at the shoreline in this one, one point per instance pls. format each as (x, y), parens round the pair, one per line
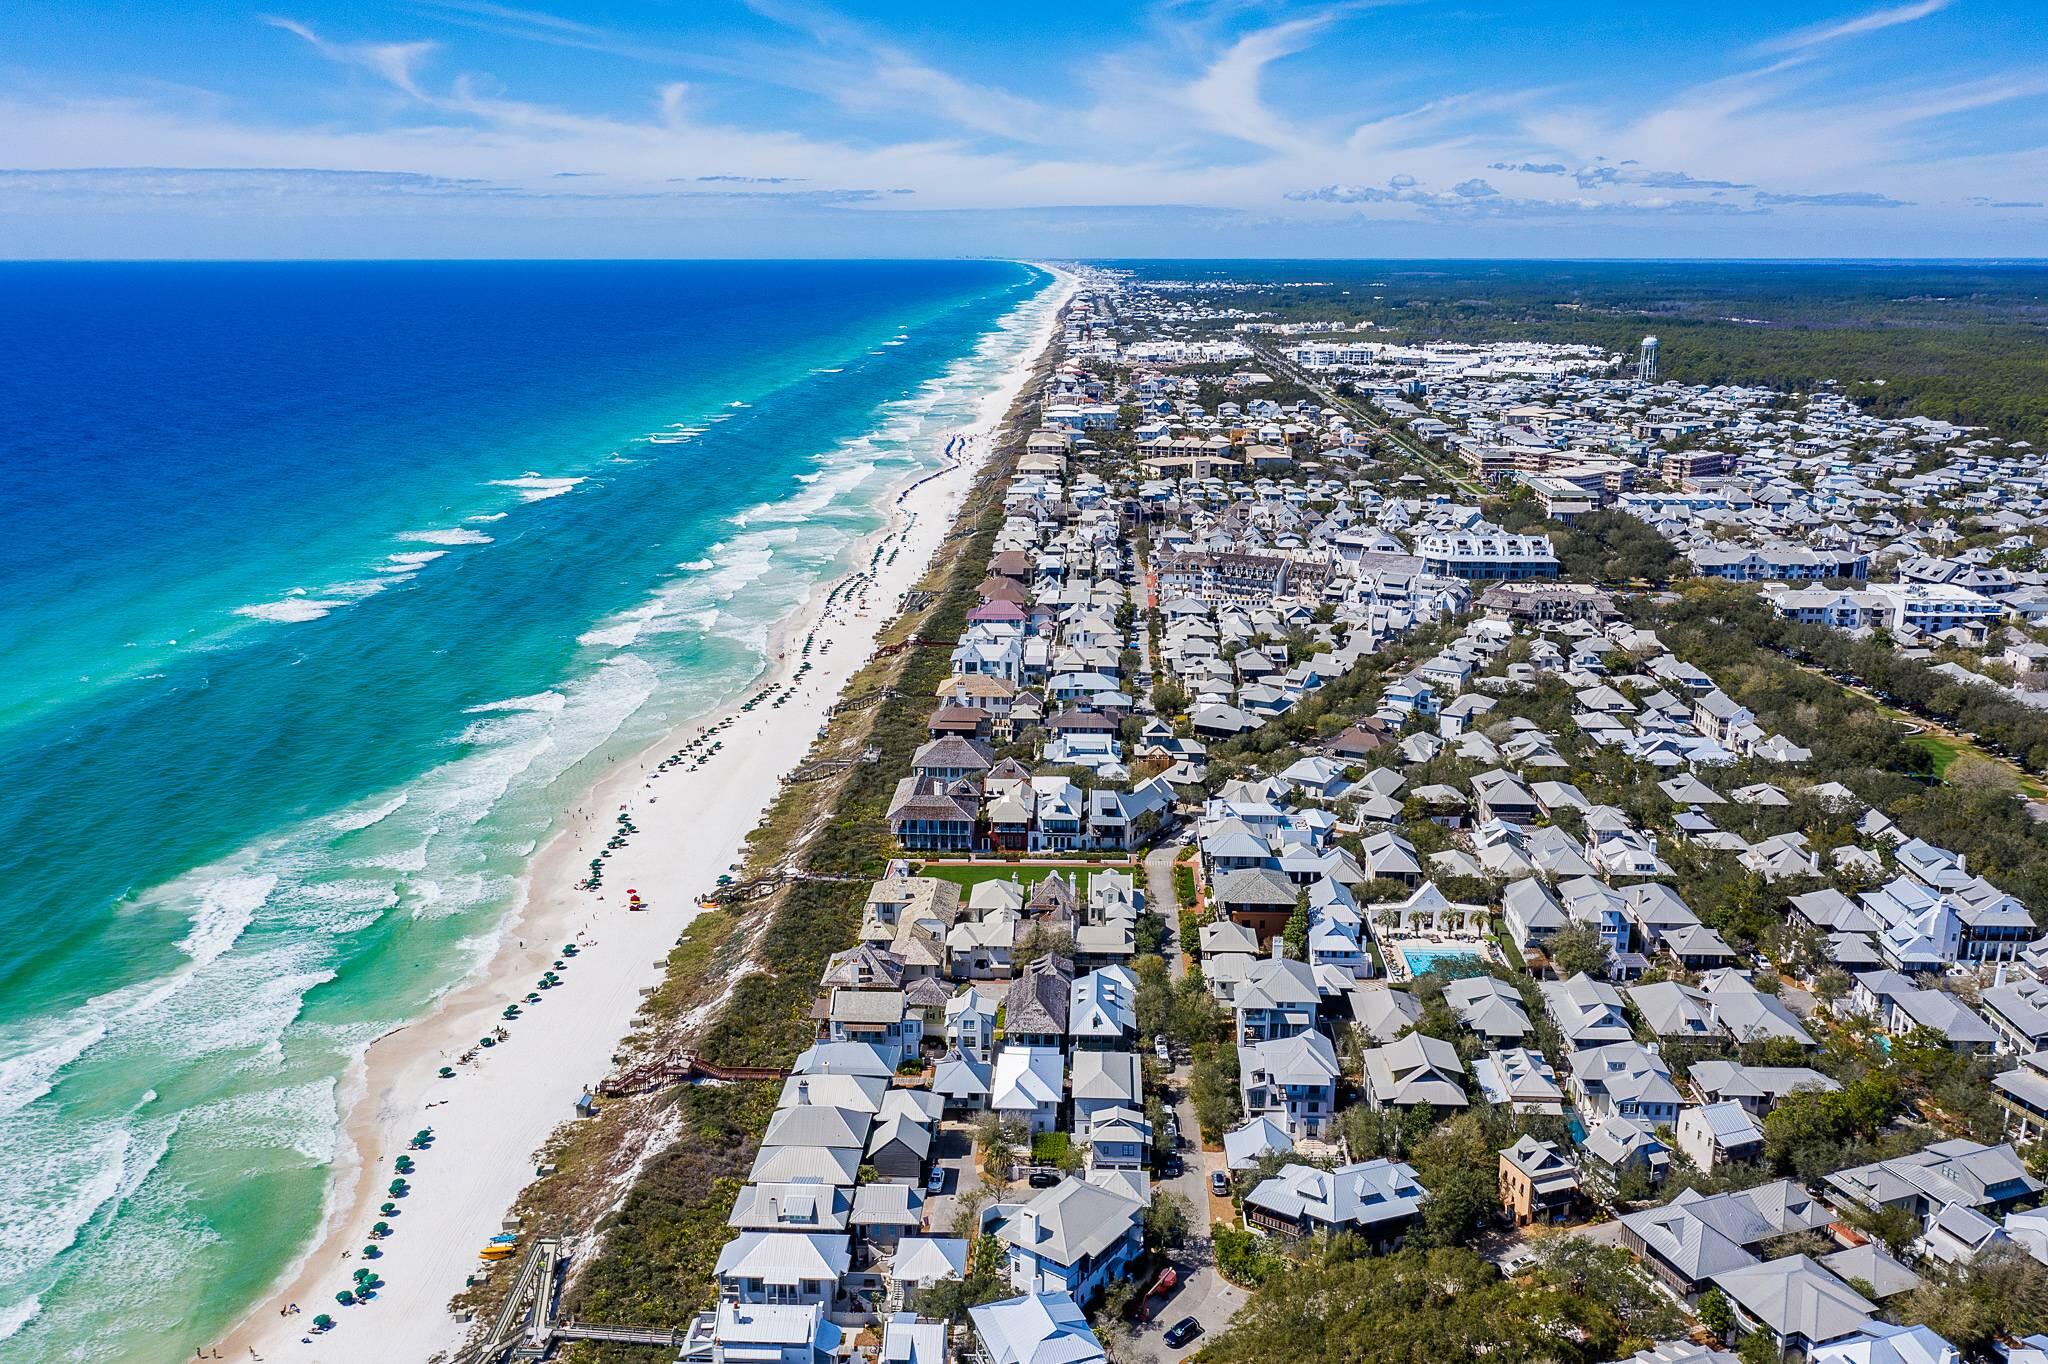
(499, 1110)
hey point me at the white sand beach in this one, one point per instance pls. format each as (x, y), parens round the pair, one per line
(496, 1113)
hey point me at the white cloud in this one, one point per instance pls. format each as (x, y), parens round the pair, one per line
(1199, 122)
(395, 62)
(1820, 35)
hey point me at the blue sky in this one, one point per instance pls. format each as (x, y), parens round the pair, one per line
(778, 127)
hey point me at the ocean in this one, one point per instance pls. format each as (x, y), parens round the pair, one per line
(329, 588)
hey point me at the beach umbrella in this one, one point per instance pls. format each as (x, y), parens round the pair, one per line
(381, 1229)
(371, 1252)
(323, 1322)
(345, 1298)
(388, 1209)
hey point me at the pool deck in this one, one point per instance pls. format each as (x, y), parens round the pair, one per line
(1399, 968)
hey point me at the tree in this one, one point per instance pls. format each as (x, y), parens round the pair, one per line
(1039, 941)
(1218, 1106)
(1610, 1275)
(1167, 1220)
(1716, 1314)
(1759, 1347)
(947, 1299)
(1295, 936)
(1341, 1303)
(1830, 984)
(1577, 950)
(999, 1139)
(2003, 1292)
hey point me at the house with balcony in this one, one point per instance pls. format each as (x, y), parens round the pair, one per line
(783, 1269)
(877, 1018)
(1376, 1200)
(1291, 1080)
(1073, 1238)
(1537, 1184)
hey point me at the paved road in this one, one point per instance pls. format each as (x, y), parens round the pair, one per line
(1202, 1293)
(1160, 897)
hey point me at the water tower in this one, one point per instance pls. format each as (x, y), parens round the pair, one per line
(1646, 364)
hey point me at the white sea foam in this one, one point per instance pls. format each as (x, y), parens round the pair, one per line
(29, 1075)
(404, 859)
(535, 488)
(353, 820)
(226, 907)
(616, 635)
(410, 560)
(550, 702)
(291, 609)
(697, 565)
(456, 536)
(54, 1192)
(16, 1315)
(302, 1117)
(482, 518)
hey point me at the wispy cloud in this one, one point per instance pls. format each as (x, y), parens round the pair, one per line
(1820, 35)
(395, 62)
(1216, 111)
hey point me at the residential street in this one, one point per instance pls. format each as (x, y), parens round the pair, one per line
(1203, 1293)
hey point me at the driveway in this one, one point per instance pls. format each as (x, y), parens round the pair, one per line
(963, 1176)
(1799, 1000)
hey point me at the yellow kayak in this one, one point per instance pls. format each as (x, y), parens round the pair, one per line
(496, 1252)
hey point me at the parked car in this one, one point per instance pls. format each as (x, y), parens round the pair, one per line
(1044, 1179)
(1162, 1051)
(1219, 1183)
(935, 1182)
(1182, 1331)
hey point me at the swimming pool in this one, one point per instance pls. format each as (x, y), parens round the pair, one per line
(1421, 959)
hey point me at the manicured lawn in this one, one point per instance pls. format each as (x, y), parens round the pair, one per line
(1026, 874)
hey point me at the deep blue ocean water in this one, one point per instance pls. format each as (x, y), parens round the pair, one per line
(327, 586)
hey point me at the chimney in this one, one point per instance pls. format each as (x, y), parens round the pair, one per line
(1027, 1227)
(803, 1090)
(1277, 944)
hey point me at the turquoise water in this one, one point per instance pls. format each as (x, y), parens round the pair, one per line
(331, 586)
(1424, 959)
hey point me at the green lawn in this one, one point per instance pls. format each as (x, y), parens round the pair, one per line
(1941, 748)
(1944, 749)
(1026, 874)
